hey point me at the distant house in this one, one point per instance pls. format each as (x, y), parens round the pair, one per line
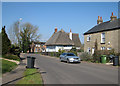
(63, 41)
(105, 34)
(38, 47)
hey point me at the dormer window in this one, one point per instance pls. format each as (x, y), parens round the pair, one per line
(88, 38)
(103, 38)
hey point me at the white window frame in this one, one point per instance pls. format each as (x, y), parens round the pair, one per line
(102, 37)
(109, 48)
(88, 38)
(89, 50)
(103, 48)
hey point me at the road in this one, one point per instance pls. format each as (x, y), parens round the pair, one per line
(55, 72)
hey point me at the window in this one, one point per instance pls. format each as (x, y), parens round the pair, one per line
(88, 38)
(88, 50)
(109, 48)
(70, 54)
(102, 48)
(103, 38)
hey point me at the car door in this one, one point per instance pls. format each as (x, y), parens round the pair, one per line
(65, 57)
(62, 56)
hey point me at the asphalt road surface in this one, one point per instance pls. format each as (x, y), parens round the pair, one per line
(55, 72)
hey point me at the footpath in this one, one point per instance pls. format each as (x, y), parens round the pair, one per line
(16, 74)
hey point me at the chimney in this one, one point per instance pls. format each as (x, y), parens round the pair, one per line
(100, 20)
(70, 34)
(55, 29)
(113, 17)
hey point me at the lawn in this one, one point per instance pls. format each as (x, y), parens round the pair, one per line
(31, 76)
(7, 66)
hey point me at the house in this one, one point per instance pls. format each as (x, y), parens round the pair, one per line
(105, 34)
(38, 47)
(62, 41)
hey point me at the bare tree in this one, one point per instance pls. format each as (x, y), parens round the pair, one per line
(31, 32)
(14, 32)
(23, 34)
(28, 35)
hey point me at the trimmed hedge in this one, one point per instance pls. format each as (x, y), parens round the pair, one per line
(11, 56)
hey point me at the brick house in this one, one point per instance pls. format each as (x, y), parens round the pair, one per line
(38, 47)
(105, 34)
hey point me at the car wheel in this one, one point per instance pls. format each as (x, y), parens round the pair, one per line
(61, 60)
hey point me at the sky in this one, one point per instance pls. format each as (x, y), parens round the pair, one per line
(77, 16)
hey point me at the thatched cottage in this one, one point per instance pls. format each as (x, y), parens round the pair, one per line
(63, 41)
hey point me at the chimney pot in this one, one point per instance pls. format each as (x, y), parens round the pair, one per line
(98, 17)
(70, 30)
(113, 17)
(112, 13)
(100, 20)
(55, 29)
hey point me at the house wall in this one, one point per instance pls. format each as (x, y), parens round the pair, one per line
(111, 40)
(119, 40)
(56, 48)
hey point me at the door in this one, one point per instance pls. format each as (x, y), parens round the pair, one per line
(93, 50)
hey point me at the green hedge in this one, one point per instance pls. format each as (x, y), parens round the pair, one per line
(11, 56)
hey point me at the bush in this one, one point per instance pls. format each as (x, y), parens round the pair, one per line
(97, 54)
(52, 54)
(15, 50)
(6, 44)
(12, 57)
(86, 57)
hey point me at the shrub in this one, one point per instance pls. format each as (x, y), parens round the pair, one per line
(12, 57)
(15, 50)
(97, 54)
(5, 42)
(52, 54)
(85, 56)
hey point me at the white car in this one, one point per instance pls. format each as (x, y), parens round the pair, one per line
(69, 57)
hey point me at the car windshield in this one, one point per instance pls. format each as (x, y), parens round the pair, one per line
(64, 54)
(70, 54)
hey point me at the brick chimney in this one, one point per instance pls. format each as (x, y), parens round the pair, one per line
(100, 20)
(113, 17)
(70, 34)
(55, 29)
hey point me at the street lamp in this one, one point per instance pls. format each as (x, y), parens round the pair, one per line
(20, 19)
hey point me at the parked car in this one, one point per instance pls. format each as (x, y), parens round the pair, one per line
(69, 57)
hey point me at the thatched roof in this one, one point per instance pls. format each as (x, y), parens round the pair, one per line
(62, 38)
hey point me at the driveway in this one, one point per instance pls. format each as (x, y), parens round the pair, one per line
(55, 72)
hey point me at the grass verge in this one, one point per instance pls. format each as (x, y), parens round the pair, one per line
(31, 76)
(11, 57)
(7, 66)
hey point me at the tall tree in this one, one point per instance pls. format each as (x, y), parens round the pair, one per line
(23, 35)
(28, 34)
(6, 44)
(14, 33)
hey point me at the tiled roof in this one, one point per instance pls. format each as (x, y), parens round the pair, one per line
(105, 26)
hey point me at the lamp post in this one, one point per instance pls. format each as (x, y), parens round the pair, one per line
(20, 19)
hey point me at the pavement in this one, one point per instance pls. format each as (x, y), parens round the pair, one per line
(55, 72)
(16, 74)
